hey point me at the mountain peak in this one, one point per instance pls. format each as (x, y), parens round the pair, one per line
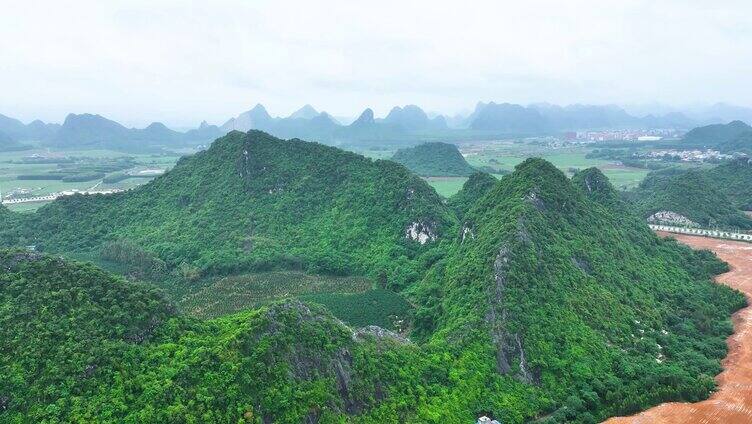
(365, 118)
(157, 126)
(596, 186)
(259, 112)
(305, 112)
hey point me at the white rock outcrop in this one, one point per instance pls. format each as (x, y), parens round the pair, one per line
(672, 218)
(420, 232)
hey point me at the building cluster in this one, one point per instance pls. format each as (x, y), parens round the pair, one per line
(22, 195)
(623, 135)
(688, 155)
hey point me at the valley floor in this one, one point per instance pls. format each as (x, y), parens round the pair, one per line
(732, 402)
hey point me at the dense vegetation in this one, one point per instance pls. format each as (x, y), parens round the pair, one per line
(733, 180)
(434, 160)
(709, 197)
(256, 203)
(736, 136)
(690, 193)
(380, 307)
(80, 345)
(473, 189)
(574, 333)
(521, 311)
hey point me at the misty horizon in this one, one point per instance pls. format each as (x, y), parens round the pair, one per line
(701, 113)
(138, 62)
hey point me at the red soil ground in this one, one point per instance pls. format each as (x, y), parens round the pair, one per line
(732, 402)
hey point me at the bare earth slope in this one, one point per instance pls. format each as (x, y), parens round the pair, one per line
(732, 402)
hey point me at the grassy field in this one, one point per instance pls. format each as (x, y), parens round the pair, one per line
(505, 155)
(446, 186)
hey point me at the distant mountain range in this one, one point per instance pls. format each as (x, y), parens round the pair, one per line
(95, 131)
(8, 144)
(546, 118)
(403, 125)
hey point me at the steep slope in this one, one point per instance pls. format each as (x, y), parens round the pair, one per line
(733, 179)
(256, 118)
(433, 160)
(474, 188)
(254, 202)
(509, 119)
(552, 302)
(724, 137)
(686, 198)
(577, 332)
(38, 130)
(12, 127)
(94, 131)
(413, 118)
(80, 345)
(8, 144)
(204, 133)
(89, 130)
(305, 112)
(742, 143)
(575, 117)
(717, 193)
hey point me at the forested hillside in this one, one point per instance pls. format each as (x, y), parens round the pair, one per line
(733, 180)
(692, 194)
(522, 311)
(434, 160)
(736, 136)
(473, 189)
(707, 197)
(81, 345)
(250, 203)
(574, 333)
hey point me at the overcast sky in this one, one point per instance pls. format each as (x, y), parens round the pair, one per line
(180, 62)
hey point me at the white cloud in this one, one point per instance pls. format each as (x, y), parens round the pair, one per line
(181, 62)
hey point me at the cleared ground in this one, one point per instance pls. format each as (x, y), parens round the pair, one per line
(732, 402)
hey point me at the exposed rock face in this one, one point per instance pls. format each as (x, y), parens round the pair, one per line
(378, 333)
(467, 232)
(306, 364)
(671, 218)
(143, 334)
(535, 200)
(582, 264)
(509, 348)
(421, 231)
(10, 262)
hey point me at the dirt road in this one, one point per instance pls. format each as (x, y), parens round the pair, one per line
(732, 402)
